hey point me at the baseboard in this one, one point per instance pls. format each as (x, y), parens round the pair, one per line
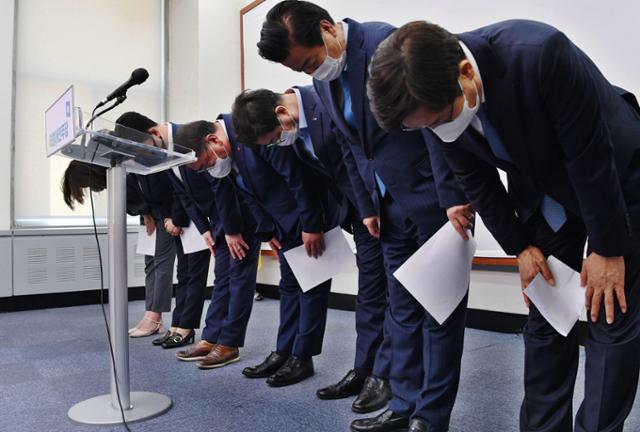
(477, 319)
(58, 300)
(502, 322)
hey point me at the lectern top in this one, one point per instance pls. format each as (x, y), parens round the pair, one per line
(107, 143)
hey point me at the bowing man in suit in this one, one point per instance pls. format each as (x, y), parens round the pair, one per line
(235, 266)
(520, 96)
(414, 193)
(296, 119)
(228, 227)
(192, 269)
(290, 213)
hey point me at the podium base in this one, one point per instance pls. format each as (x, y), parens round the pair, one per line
(99, 410)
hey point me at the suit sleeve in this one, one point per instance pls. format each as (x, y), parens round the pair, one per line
(362, 195)
(136, 205)
(283, 161)
(228, 206)
(488, 196)
(265, 228)
(569, 97)
(179, 216)
(449, 191)
(190, 207)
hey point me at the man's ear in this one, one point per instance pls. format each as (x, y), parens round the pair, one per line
(213, 138)
(154, 131)
(465, 69)
(281, 110)
(328, 27)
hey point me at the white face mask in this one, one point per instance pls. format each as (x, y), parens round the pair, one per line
(222, 167)
(451, 131)
(288, 137)
(331, 68)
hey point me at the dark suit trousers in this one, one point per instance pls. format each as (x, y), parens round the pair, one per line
(232, 297)
(551, 360)
(158, 272)
(192, 274)
(425, 362)
(303, 315)
(373, 349)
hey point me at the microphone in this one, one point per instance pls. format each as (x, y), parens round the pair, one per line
(138, 76)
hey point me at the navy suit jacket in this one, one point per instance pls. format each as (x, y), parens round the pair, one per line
(157, 193)
(279, 187)
(568, 131)
(329, 166)
(195, 194)
(418, 178)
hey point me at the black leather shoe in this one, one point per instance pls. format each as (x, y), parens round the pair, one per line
(388, 421)
(293, 371)
(375, 394)
(177, 340)
(350, 385)
(417, 425)
(265, 369)
(162, 339)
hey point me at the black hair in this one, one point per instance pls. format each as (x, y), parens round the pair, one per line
(291, 21)
(133, 120)
(191, 135)
(416, 66)
(77, 177)
(253, 114)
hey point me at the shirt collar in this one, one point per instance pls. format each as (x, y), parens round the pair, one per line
(345, 29)
(472, 60)
(302, 119)
(224, 126)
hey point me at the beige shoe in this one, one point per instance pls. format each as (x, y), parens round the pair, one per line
(137, 333)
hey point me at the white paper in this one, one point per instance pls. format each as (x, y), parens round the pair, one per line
(337, 258)
(146, 243)
(562, 304)
(192, 240)
(437, 274)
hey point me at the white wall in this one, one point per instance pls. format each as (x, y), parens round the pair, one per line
(6, 109)
(204, 58)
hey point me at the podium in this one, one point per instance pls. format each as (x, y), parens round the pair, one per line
(121, 150)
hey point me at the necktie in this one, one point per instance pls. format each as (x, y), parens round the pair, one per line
(308, 144)
(347, 112)
(553, 212)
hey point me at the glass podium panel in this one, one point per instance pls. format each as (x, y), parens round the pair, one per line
(108, 143)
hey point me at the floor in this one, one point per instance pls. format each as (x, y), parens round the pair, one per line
(52, 359)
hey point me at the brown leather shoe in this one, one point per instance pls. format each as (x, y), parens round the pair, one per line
(220, 356)
(197, 352)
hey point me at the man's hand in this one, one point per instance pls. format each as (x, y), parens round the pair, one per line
(461, 217)
(532, 261)
(237, 246)
(210, 242)
(275, 245)
(149, 223)
(313, 243)
(373, 225)
(603, 277)
(172, 229)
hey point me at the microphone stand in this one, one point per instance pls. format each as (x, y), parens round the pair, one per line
(94, 116)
